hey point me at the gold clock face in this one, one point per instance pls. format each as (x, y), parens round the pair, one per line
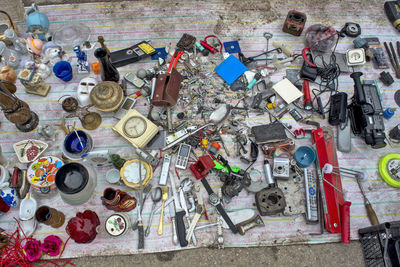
(134, 127)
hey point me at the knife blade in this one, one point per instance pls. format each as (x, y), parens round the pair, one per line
(179, 214)
(172, 215)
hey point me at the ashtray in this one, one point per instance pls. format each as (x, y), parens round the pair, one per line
(83, 227)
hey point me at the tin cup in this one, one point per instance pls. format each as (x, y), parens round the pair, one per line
(50, 216)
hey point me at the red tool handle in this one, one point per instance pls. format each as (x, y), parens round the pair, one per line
(345, 221)
(307, 95)
(174, 60)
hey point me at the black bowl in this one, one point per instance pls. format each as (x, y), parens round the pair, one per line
(72, 178)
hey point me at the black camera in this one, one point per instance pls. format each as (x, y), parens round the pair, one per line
(366, 113)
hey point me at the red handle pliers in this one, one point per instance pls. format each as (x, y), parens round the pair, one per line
(174, 60)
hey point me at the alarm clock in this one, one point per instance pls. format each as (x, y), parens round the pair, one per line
(136, 129)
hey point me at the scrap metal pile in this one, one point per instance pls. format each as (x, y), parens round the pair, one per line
(201, 103)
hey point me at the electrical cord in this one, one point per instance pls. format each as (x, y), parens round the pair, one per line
(329, 74)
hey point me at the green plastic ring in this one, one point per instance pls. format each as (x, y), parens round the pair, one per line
(383, 170)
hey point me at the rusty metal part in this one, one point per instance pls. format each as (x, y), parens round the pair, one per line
(245, 226)
(270, 201)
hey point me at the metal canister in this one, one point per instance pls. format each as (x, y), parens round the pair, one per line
(118, 224)
(70, 104)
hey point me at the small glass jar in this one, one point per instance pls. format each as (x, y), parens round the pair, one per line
(9, 57)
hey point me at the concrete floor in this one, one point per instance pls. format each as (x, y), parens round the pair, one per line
(335, 254)
(301, 255)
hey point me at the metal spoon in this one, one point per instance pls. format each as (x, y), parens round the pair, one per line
(156, 197)
(146, 191)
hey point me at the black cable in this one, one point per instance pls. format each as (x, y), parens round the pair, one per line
(329, 75)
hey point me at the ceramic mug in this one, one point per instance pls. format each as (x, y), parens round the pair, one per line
(8, 194)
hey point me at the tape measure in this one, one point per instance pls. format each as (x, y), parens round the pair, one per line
(389, 168)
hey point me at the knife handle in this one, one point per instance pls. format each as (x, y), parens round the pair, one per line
(226, 218)
(180, 228)
(141, 236)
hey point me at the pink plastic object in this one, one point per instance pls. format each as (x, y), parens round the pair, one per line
(82, 228)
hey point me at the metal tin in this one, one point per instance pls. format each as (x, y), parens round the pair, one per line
(117, 224)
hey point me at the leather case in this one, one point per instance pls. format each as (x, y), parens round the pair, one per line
(273, 132)
(167, 89)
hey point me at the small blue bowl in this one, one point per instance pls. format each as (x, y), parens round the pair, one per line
(304, 156)
(63, 70)
(72, 143)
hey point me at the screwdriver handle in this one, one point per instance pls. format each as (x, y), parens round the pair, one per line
(345, 222)
(371, 214)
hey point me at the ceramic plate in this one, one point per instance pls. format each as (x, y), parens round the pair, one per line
(42, 172)
(29, 150)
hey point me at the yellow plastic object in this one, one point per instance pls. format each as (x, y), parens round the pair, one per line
(204, 142)
(384, 169)
(147, 178)
(271, 105)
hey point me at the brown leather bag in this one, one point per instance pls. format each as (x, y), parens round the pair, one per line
(167, 89)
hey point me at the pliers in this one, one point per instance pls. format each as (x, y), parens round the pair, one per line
(174, 60)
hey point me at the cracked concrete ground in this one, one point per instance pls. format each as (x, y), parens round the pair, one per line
(335, 254)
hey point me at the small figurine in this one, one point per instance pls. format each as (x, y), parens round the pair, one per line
(34, 46)
(9, 57)
(17, 42)
(83, 65)
(41, 69)
(37, 23)
(32, 80)
(52, 53)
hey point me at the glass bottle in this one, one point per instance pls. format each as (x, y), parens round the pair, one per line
(9, 57)
(108, 71)
(18, 44)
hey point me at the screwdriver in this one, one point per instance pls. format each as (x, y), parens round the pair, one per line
(370, 211)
